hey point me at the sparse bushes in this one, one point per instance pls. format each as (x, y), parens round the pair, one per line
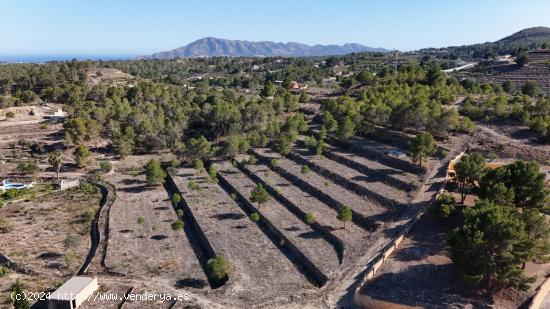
(255, 217)
(12, 194)
(193, 185)
(218, 267)
(199, 166)
(274, 162)
(233, 196)
(105, 166)
(213, 174)
(176, 198)
(89, 215)
(72, 241)
(344, 214)
(19, 301)
(28, 168)
(3, 271)
(259, 195)
(81, 155)
(180, 213)
(310, 219)
(5, 225)
(305, 169)
(71, 259)
(140, 220)
(311, 142)
(177, 225)
(154, 174)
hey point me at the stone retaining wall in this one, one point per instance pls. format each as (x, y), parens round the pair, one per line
(303, 264)
(374, 196)
(357, 218)
(194, 225)
(336, 242)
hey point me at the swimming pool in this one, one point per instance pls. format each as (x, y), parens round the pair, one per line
(13, 185)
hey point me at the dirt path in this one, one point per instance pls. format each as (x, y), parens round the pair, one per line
(342, 295)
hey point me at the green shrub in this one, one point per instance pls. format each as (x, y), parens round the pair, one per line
(255, 217)
(444, 206)
(199, 166)
(218, 267)
(72, 241)
(193, 185)
(177, 225)
(233, 196)
(179, 212)
(3, 271)
(310, 219)
(28, 168)
(154, 174)
(140, 220)
(213, 173)
(274, 162)
(176, 198)
(251, 160)
(105, 166)
(5, 225)
(305, 169)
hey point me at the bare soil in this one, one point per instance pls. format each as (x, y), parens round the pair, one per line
(151, 248)
(259, 272)
(36, 242)
(356, 202)
(310, 242)
(355, 238)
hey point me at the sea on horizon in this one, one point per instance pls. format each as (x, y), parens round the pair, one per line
(46, 58)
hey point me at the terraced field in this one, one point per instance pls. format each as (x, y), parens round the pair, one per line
(140, 221)
(256, 261)
(334, 194)
(311, 243)
(282, 259)
(354, 237)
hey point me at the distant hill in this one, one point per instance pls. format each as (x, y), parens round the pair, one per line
(530, 38)
(527, 36)
(220, 47)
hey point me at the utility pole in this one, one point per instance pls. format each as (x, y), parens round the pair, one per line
(395, 61)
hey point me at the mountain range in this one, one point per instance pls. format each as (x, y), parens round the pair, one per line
(220, 47)
(210, 46)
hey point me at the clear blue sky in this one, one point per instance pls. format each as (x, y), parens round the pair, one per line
(142, 27)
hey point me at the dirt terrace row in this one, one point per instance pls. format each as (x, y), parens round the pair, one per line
(332, 194)
(377, 151)
(308, 241)
(257, 264)
(354, 237)
(169, 253)
(351, 178)
(391, 176)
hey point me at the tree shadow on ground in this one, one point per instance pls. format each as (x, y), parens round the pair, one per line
(228, 216)
(159, 237)
(134, 189)
(426, 285)
(190, 283)
(48, 255)
(311, 235)
(132, 181)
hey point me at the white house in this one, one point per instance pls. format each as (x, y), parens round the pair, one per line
(73, 293)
